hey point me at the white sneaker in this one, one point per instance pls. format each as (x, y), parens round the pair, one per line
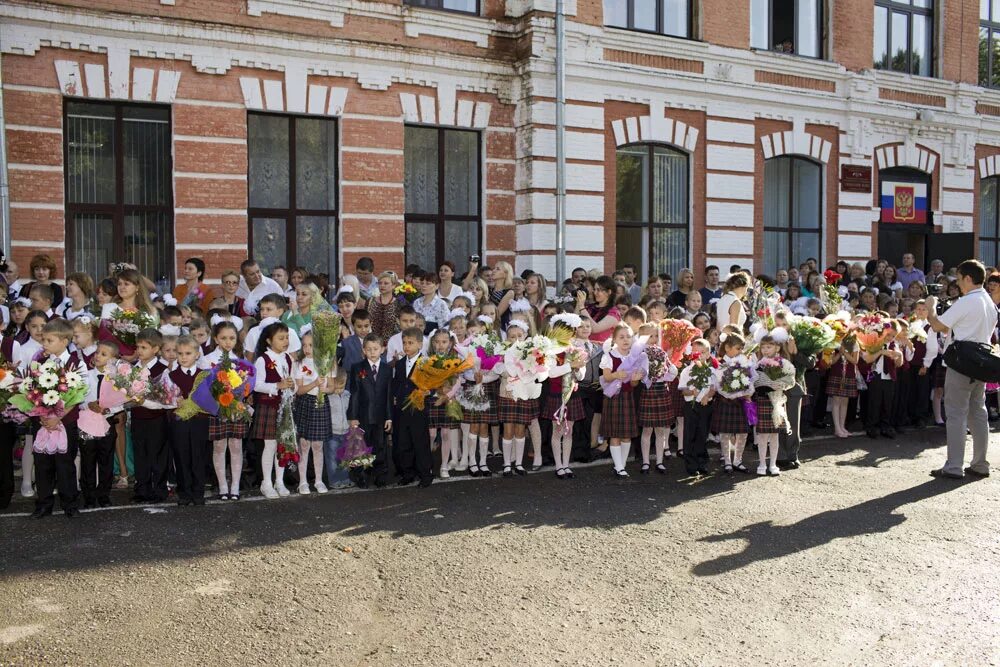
(282, 491)
(761, 470)
(774, 470)
(27, 491)
(303, 489)
(444, 472)
(268, 491)
(321, 487)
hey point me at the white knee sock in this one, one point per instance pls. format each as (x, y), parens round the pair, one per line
(762, 441)
(726, 445)
(469, 453)
(626, 445)
(279, 476)
(507, 446)
(484, 449)
(445, 448)
(773, 444)
(28, 462)
(741, 443)
(647, 433)
(267, 461)
(456, 447)
(616, 456)
(662, 441)
(235, 464)
(219, 463)
(518, 451)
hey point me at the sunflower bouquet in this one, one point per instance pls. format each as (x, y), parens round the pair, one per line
(221, 391)
(435, 372)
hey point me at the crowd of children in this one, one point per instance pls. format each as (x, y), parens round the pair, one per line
(614, 402)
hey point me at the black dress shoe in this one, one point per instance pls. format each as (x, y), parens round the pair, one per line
(71, 512)
(184, 502)
(406, 481)
(40, 513)
(139, 500)
(89, 504)
(702, 471)
(198, 502)
(424, 483)
(781, 463)
(971, 471)
(104, 502)
(940, 473)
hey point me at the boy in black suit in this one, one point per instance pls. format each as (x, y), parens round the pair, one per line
(370, 408)
(412, 438)
(149, 426)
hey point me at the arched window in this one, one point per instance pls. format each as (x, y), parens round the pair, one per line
(793, 210)
(989, 227)
(652, 208)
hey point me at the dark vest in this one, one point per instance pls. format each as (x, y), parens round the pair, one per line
(7, 349)
(183, 381)
(158, 369)
(272, 376)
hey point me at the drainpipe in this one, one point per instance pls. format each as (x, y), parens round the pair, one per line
(4, 184)
(560, 143)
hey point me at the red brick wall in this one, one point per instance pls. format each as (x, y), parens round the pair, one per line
(852, 33)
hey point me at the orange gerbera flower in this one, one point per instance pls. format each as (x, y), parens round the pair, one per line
(226, 399)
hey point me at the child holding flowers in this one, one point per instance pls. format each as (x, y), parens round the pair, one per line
(312, 415)
(443, 346)
(274, 375)
(696, 384)
(656, 407)
(563, 400)
(621, 372)
(842, 383)
(225, 434)
(514, 414)
(775, 376)
(729, 418)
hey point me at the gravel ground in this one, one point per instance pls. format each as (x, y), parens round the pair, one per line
(857, 558)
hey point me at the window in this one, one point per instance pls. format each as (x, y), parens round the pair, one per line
(903, 35)
(989, 43)
(119, 189)
(464, 6)
(441, 183)
(292, 181)
(793, 208)
(667, 17)
(652, 208)
(787, 26)
(989, 222)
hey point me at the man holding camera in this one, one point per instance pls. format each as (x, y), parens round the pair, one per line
(972, 317)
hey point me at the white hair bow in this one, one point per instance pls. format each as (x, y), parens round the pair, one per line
(520, 306)
(305, 328)
(485, 319)
(170, 330)
(235, 321)
(468, 295)
(520, 324)
(169, 300)
(22, 301)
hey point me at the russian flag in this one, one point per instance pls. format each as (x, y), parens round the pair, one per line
(904, 202)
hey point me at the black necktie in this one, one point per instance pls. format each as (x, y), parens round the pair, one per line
(374, 372)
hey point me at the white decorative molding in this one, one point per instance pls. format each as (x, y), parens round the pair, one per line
(907, 154)
(796, 142)
(988, 166)
(306, 9)
(295, 94)
(639, 129)
(445, 110)
(94, 81)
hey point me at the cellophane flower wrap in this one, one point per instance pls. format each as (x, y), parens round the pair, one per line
(811, 335)
(8, 382)
(873, 331)
(123, 327)
(472, 397)
(762, 302)
(287, 452)
(526, 364)
(574, 357)
(355, 452)
(406, 293)
(830, 292)
(659, 368)
(778, 375)
(675, 336)
(49, 389)
(194, 297)
(737, 378)
(489, 350)
(635, 361)
(840, 322)
(326, 336)
(221, 391)
(915, 331)
(434, 372)
(699, 373)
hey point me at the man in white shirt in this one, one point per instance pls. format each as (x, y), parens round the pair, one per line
(973, 317)
(254, 286)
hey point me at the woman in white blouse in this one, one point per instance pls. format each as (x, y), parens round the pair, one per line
(729, 309)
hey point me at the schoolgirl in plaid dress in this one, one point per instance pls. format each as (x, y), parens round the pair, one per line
(515, 415)
(274, 375)
(842, 385)
(619, 422)
(766, 431)
(225, 435)
(729, 419)
(562, 435)
(438, 419)
(656, 414)
(479, 421)
(312, 416)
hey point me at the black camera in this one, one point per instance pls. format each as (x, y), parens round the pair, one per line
(936, 290)
(473, 259)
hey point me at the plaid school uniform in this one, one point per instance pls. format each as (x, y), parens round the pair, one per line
(219, 429)
(765, 412)
(312, 422)
(618, 417)
(728, 416)
(656, 407)
(265, 416)
(553, 401)
(437, 414)
(842, 380)
(491, 414)
(513, 411)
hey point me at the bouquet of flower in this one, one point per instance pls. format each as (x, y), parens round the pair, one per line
(830, 293)
(675, 336)
(762, 302)
(526, 364)
(162, 392)
(355, 452)
(489, 350)
(660, 368)
(574, 357)
(737, 378)
(700, 374)
(406, 293)
(326, 335)
(635, 361)
(778, 375)
(811, 335)
(123, 328)
(287, 452)
(915, 331)
(435, 372)
(840, 322)
(221, 392)
(473, 397)
(562, 327)
(873, 331)
(8, 380)
(194, 297)
(49, 390)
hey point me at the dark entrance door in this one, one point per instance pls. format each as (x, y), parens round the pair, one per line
(895, 240)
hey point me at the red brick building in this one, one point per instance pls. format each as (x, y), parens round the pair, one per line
(313, 132)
